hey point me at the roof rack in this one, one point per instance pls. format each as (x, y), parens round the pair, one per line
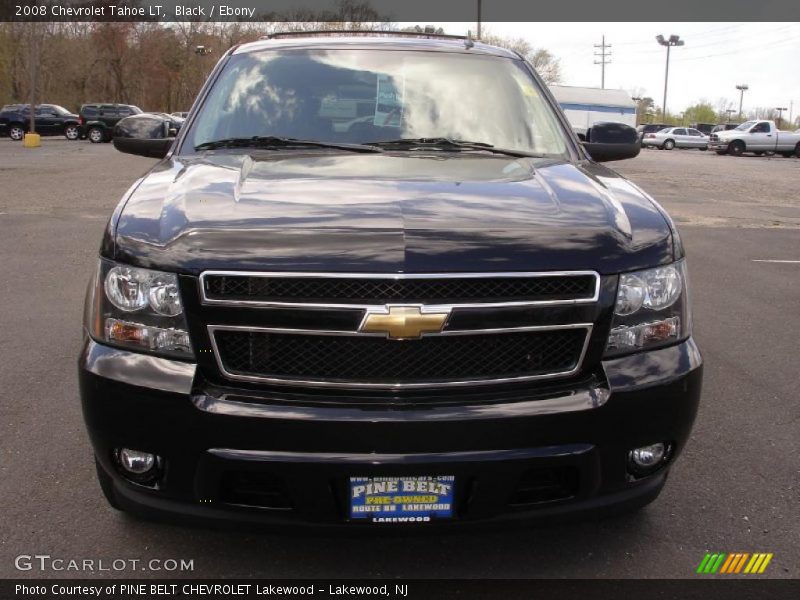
(324, 32)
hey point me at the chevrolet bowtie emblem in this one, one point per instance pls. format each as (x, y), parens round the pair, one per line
(403, 322)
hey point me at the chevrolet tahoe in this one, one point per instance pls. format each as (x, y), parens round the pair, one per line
(379, 282)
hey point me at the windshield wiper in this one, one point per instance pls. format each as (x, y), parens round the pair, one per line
(446, 143)
(272, 142)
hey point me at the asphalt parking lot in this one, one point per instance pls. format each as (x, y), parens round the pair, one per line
(736, 487)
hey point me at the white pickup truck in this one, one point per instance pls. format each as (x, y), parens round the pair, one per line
(758, 137)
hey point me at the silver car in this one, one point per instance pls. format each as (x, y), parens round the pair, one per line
(676, 137)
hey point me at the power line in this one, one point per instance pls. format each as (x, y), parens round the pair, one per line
(605, 58)
(746, 49)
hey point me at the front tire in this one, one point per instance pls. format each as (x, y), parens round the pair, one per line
(736, 148)
(16, 133)
(71, 132)
(96, 135)
(669, 145)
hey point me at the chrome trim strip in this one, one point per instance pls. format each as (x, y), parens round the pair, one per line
(212, 329)
(396, 276)
(586, 399)
(135, 368)
(386, 458)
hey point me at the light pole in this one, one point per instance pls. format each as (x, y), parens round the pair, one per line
(780, 114)
(742, 89)
(673, 40)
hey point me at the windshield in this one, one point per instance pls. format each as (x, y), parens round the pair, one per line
(363, 96)
(745, 126)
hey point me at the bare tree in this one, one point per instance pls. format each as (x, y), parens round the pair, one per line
(545, 63)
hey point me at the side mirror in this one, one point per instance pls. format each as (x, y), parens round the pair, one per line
(145, 134)
(611, 141)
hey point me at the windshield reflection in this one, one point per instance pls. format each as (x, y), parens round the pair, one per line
(361, 96)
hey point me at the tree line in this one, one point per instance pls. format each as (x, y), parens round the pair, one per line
(705, 111)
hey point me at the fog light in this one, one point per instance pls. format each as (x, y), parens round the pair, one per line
(647, 459)
(135, 461)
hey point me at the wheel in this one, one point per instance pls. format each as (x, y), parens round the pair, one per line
(71, 132)
(107, 485)
(96, 135)
(669, 144)
(16, 132)
(736, 148)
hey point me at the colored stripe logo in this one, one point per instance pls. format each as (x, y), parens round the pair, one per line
(734, 563)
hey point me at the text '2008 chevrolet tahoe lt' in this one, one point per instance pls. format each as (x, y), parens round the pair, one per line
(377, 281)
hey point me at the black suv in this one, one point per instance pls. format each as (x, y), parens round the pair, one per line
(97, 120)
(353, 292)
(49, 119)
(646, 128)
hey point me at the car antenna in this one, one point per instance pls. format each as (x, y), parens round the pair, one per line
(468, 43)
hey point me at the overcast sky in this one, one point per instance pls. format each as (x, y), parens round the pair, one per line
(716, 57)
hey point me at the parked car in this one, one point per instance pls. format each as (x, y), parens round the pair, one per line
(49, 119)
(442, 313)
(649, 128)
(676, 137)
(97, 120)
(757, 137)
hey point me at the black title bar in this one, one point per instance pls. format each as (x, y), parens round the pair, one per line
(400, 10)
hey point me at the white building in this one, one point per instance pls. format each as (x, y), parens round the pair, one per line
(585, 106)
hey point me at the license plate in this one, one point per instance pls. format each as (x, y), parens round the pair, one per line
(417, 499)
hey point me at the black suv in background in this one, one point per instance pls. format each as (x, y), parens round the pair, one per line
(646, 128)
(97, 120)
(49, 119)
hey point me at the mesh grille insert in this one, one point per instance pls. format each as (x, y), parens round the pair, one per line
(379, 291)
(365, 359)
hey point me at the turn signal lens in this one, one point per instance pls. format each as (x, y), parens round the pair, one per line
(147, 336)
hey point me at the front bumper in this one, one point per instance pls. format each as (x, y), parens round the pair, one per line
(307, 452)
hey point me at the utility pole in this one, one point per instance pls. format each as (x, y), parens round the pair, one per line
(479, 19)
(743, 87)
(673, 40)
(780, 114)
(605, 58)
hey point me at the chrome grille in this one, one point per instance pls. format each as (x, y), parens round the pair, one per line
(324, 352)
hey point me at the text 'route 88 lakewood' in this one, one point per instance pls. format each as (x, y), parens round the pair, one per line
(247, 590)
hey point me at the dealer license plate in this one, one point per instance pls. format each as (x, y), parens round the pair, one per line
(401, 499)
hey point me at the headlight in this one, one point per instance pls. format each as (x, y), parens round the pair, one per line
(139, 309)
(652, 310)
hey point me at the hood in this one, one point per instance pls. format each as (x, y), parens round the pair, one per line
(390, 212)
